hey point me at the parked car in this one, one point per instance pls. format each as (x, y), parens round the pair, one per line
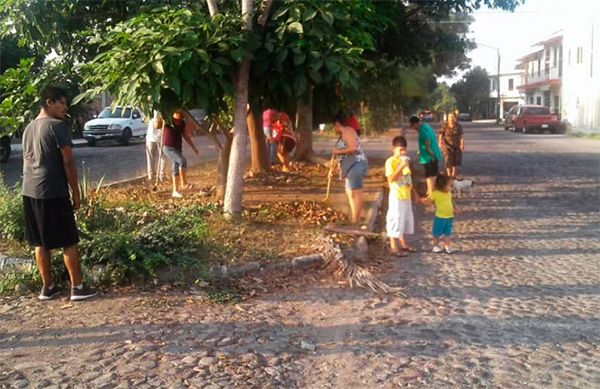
(464, 117)
(530, 118)
(5, 148)
(121, 125)
(427, 116)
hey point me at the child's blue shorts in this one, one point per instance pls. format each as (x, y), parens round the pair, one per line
(442, 227)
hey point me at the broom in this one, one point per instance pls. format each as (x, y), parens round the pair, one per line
(329, 177)
(335, 260)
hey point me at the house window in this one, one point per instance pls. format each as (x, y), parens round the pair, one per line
(538, 100)
(579, 55)
(511, 84)
(539, 66)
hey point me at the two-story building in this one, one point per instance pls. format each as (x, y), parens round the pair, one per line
(581, 75)
(542, 73)
(510, 95)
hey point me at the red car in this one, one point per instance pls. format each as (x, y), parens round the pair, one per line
(530, 118)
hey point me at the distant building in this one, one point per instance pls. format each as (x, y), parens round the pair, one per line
(510, 95)
(100, 102)
(542, 73)
(581, 75)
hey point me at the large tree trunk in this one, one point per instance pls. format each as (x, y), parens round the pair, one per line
(260, 162)
(232, 205)
(223, 167)
(304, 127)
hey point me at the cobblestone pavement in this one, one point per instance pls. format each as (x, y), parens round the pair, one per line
(517, 307)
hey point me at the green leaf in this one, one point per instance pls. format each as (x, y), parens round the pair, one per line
(174, 84)
(315, 76)
(300, 84)
(332, 65)
(327, 17)
(158, 67)
(295, 27)
(237, 55)
(299, 59)
(281, 56)
(310, 15)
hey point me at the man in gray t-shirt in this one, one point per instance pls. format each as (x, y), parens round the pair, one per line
(48, 172)
(44, 175)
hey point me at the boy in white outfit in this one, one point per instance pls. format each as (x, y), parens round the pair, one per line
(399, 220)
(153, 135)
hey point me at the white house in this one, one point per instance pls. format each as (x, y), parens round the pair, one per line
(510, 95)
(542, 73)
(581, 72)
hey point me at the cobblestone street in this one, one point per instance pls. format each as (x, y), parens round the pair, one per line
(517, 307)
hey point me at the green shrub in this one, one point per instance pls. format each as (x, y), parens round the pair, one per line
(131, 243)
(123, 251)
(12, 215)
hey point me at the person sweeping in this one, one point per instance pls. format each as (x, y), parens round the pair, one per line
(172, 147)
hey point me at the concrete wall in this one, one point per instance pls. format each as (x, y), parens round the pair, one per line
(581, 75)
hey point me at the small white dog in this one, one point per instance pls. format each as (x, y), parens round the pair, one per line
(458, 186)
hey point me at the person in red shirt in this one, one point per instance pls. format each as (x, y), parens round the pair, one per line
(269, 118)
(172, 147)
(283, 136)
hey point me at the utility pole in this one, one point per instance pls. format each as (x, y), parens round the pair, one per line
(498, 118)
(499, 105)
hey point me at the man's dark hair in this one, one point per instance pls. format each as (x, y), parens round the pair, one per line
(52, 93)
(340, 117)
(414, 120)
(441, 182)
(399, 141)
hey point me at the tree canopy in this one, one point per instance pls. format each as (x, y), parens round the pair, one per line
(472, 91)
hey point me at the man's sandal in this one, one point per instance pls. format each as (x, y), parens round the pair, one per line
(399, 254)
(409, 249)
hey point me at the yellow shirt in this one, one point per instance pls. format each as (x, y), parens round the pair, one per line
(443, 204)
(403, 185)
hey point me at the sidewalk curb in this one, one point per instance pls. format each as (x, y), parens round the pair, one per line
(362, 245)
(301, 262)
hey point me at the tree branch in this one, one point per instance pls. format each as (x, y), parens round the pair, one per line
(213, 8)
(262, 20)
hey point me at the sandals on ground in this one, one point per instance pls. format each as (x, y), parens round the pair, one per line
(409, 249)
(399, 254)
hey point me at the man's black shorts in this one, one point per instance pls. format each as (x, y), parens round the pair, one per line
(50, 223)
(431, 169)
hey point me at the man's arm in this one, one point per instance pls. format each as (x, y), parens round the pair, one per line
(71, 172)
(428, 147)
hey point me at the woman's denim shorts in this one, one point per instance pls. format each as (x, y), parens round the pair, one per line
(356, 175)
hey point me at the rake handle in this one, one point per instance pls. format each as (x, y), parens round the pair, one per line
(329, 177)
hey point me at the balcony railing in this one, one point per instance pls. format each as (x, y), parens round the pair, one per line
(544, 75)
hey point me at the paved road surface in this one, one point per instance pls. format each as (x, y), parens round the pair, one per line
(111, 160)
(518, 307)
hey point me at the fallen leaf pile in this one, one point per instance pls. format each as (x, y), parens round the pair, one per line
(309, 212)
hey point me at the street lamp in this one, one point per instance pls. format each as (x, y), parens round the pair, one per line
(498, 84)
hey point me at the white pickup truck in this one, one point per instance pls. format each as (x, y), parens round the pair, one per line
(120, 124)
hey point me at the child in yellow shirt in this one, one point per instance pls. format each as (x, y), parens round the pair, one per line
(399, 219)
(441, 197)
